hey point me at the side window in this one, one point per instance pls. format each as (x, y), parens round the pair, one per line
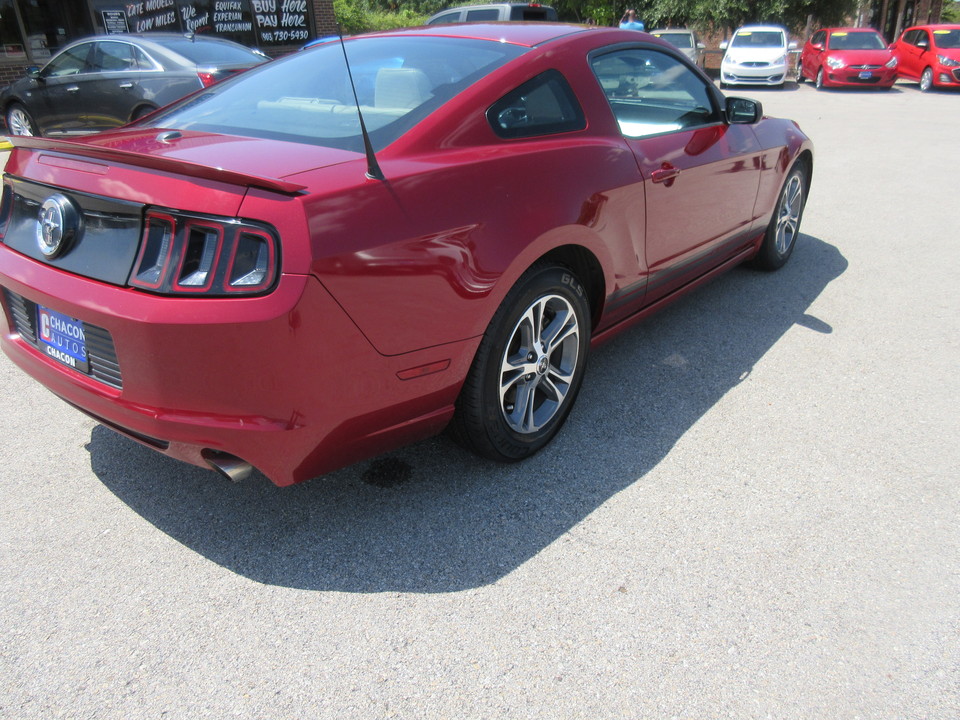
(652, 93)
(69, 62)
(450, 17)
(114, 57)
(819, 37)
(544, 105)
(923, 38)
(486, 15)
(910, 37)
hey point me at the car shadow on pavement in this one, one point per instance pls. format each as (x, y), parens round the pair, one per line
(431, 517)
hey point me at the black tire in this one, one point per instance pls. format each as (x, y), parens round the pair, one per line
(520, 390)
(19, 121)
(784, 227)
(800, 78)
(819, 80)
(926, 80)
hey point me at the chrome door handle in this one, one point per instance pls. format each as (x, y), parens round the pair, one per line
(126, 85)
(665, 174)
(73, 88)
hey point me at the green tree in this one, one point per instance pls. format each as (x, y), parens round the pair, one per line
(950, 13)
(358, 16)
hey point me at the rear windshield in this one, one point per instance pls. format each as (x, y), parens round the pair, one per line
(531, 12)
(678, 40)
(855, 41)
(307, 97)
(759, 39)
(211, 53)
(946, 39)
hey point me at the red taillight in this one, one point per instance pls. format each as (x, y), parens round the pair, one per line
(156, 247)
(193, 255)
(206, 78)
(250, 261)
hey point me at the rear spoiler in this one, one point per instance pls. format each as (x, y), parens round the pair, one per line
(156, 162)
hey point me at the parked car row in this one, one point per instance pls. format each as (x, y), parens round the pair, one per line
(844, 57)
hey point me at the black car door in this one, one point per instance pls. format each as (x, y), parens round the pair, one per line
(53, 100)
(112, 91)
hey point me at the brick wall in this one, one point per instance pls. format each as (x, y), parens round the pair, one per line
(326, 21)
(9, 73)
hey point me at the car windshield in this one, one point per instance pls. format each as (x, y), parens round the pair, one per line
(758, 39)
(856, 41)
(678, 40)
(947, 39)
(203, 52)
(307, 97)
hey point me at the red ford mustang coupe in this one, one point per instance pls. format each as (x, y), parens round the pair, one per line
(253, 277)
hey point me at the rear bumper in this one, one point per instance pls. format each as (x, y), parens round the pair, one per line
(285, 382)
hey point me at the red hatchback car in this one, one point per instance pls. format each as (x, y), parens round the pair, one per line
(848, 57)
(253, 277)
(930, 54)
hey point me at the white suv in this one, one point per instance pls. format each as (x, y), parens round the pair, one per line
(756, 55)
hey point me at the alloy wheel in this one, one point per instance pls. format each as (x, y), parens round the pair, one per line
(788, 213)
(539, 364)
(19, 122)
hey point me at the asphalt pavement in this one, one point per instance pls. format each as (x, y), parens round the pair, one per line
(751, 513)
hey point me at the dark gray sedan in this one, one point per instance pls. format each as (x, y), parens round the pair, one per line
(107, 81)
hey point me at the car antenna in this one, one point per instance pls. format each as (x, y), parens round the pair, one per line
(373, 167)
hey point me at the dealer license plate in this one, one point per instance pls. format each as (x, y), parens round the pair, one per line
(61, 338)
(866, 75)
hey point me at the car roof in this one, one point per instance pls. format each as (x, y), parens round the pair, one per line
(852, 30)
(154, 37)
(684, 31)
(525, 34)
(493, 5)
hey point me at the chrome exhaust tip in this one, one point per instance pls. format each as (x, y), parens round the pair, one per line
(230, 466)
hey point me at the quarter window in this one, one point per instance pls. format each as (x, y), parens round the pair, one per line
(143, 61)
(652, 93)
(544, 105)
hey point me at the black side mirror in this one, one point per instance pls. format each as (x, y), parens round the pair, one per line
(741, 111)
